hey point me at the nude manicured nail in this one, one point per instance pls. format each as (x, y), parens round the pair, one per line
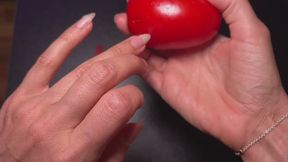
(140, 40)
(86, 19)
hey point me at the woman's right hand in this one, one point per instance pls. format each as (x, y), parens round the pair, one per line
(229, 88)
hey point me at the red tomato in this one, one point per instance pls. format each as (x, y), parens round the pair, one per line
(173, 24)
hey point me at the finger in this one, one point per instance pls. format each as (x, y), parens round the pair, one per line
(156, 69)
(121, 22)
(40, 75)
(116, 150)
(126, 47)
(108, 116)
(242, 20)
(97, 80)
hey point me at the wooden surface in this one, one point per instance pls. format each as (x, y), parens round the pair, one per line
(7, 12)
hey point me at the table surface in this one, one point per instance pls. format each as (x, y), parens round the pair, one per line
(166, 136)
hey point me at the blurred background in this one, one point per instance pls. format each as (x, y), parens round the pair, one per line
(7, 14)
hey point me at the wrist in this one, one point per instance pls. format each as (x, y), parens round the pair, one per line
(274, 146)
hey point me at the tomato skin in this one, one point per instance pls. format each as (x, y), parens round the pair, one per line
(173, 24)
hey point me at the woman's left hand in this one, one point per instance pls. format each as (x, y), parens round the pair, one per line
(80, 118)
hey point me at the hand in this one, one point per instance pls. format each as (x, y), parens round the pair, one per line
(230, 87)
(79, 118)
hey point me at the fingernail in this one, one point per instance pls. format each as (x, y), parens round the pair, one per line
(86, 19)
(119, 15)
(140, 40)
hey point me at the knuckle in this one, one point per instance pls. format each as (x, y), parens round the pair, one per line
(10, 102)
(44, 60)
(65, 38)
(257, 33)
(261, 30)
(37, 132)
(117, 106)
(117, 50)
(264, 30)
(101, 73)
(81, 70)
(18, 116)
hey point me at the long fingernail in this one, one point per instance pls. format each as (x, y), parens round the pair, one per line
(86, 19)
(140, 40)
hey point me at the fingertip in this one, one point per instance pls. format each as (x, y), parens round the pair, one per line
(120, 20)
(136, 93)
(140, 41)
(221, 5)
(120, 15)
(85, 20)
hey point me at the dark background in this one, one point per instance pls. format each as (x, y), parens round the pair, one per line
(166, 137)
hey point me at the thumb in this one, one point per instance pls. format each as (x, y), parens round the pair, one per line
(243, 23)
